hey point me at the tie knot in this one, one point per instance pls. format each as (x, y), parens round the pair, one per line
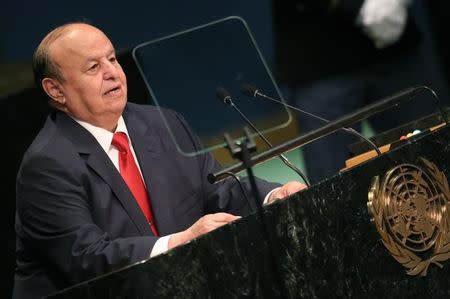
(120, 141)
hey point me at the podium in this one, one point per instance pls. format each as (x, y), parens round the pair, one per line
(323, 242)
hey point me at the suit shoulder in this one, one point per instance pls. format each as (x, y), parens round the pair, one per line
(144, 108)
(49, 144)
(164, 121)
(152, 114)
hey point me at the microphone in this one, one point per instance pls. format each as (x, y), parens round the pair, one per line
(253, 92)
(224, 96)
(338, 124)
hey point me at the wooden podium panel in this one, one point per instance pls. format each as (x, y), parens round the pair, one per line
(353, 161)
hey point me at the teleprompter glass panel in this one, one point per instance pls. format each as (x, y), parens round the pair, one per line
(182, 72)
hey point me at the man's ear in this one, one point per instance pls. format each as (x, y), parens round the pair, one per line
(53, 89)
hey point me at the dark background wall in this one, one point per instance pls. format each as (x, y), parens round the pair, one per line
(127, 23)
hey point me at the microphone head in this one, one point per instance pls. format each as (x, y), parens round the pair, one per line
(223, 95)
(249, 90)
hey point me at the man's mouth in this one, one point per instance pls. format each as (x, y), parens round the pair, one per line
(114, 91)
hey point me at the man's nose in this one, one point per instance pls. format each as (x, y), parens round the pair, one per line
(110, 71)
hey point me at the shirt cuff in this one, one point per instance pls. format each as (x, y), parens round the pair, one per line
(266, 199)
(161, 246)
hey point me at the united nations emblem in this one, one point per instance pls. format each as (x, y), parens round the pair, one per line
(411, 211)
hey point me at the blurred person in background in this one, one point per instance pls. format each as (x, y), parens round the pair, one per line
(333, 57)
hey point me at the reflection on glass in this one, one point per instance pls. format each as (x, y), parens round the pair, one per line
(182, 72)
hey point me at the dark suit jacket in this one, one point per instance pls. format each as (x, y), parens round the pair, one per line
(77, 219)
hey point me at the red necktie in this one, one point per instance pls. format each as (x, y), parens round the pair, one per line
(132, 177)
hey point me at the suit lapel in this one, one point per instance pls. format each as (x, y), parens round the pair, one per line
(98, 160)
(147, 146)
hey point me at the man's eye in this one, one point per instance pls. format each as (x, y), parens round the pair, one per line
(93, 67)
(113, 60)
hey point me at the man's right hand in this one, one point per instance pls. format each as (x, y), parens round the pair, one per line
(204, 225)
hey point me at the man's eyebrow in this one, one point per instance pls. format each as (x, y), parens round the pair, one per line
(89, 60)
(95, 58)
(112, 52)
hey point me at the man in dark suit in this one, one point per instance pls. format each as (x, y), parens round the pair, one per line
(78, 214)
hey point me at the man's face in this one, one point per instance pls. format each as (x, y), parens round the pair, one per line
(94, 88)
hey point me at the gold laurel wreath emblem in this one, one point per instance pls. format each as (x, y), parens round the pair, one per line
(409, 258)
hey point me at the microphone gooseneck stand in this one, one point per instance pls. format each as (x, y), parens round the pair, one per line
(224, 96)
(344, 121)
(242, 152)
(253, 92)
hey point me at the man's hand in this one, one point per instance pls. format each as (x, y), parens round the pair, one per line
(212, 221)
(286, 190)
(204, 225)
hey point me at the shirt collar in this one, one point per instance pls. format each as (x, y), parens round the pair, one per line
(104, 137)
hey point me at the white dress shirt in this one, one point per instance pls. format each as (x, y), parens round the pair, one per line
(104, 138)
